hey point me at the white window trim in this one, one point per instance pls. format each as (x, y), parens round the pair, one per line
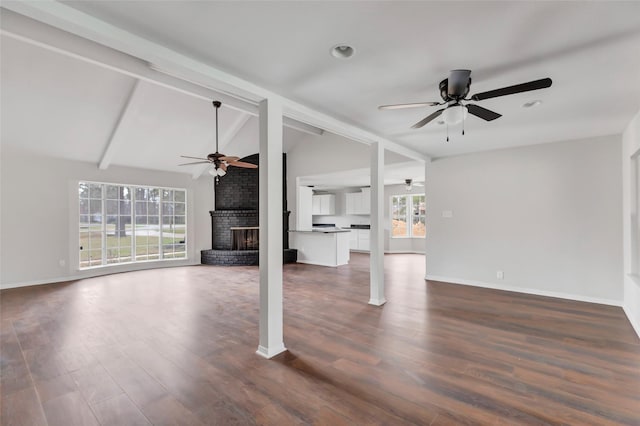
(409, 216)
(133, 246)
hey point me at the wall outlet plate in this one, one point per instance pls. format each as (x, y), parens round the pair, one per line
(500, 275)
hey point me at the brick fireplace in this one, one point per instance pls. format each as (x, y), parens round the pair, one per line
(234, 222)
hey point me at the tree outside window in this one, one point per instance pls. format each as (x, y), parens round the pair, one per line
(408, 216)
(125, 223)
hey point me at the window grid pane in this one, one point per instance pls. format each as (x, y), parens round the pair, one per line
(121, 224)
(408, 216)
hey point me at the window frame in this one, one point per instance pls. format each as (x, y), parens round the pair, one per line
(164, 253)
(408, 215)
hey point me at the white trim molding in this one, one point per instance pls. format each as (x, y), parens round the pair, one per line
(186, 69)
(534, 291)
(103, 270)
(270, 352)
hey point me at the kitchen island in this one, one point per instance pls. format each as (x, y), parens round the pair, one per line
(325, 247)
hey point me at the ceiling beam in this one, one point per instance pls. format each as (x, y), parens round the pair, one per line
(173, 63)
(52, 39)
(228, 136)
(116, 140)
(302, 127)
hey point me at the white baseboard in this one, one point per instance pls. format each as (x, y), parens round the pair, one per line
(403, 252)
(40, 282)
(634, 323)
(317, 263)
(524, 290)
(90, 273)
(377, 302)
(270, 352)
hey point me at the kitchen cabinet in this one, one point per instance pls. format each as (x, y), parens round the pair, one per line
(328, 248)
(359, 239)
(353, 240)
(323, 204)
(358, 203)
(304, 203)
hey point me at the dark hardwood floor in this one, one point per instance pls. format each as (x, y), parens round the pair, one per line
(177, 346)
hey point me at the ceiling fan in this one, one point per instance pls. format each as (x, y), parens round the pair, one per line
(219, 161)
(409, 184)
(454, 90)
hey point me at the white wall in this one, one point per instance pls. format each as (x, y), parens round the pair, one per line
(549, 216)
(39, 221)
(630, 146)
(328, 153)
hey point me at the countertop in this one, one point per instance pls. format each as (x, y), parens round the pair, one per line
(322, 231)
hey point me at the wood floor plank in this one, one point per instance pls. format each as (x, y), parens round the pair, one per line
(69, 410)
(95, 384)
(117, 411)
(177, 346)
(22, 408)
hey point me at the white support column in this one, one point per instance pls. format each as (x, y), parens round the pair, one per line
(377, 226)
(427, 165)
(270, 169)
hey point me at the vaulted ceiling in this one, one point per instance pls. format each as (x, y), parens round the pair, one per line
(591, 50)
(61, 107)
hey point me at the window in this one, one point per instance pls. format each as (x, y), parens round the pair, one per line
(126, 223)
(408, 217)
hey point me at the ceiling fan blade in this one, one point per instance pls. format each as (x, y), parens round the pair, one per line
(458, 82)
(242, 164)
(194, 158)
(225, 158)
(195, 162)
(413, 105)
(427, 119)
(510, 90)
(485, 114)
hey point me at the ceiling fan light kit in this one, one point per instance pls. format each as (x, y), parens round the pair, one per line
(408, 184)
(454, 114)
(454, 91)
(219, 161)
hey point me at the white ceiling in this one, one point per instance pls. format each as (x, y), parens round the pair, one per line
(403, 49)
(591, 50)
(394, 174)
(62, 107)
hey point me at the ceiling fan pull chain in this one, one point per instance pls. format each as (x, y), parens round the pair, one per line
(447, 132)
(463, 122)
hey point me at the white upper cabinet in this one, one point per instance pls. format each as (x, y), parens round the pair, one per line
(359, 203)
(324, 204)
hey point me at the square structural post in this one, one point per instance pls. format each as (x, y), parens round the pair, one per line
(376, 269)
(270, 219)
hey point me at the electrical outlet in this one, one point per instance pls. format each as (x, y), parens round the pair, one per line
(500, 275)
(62, 262)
